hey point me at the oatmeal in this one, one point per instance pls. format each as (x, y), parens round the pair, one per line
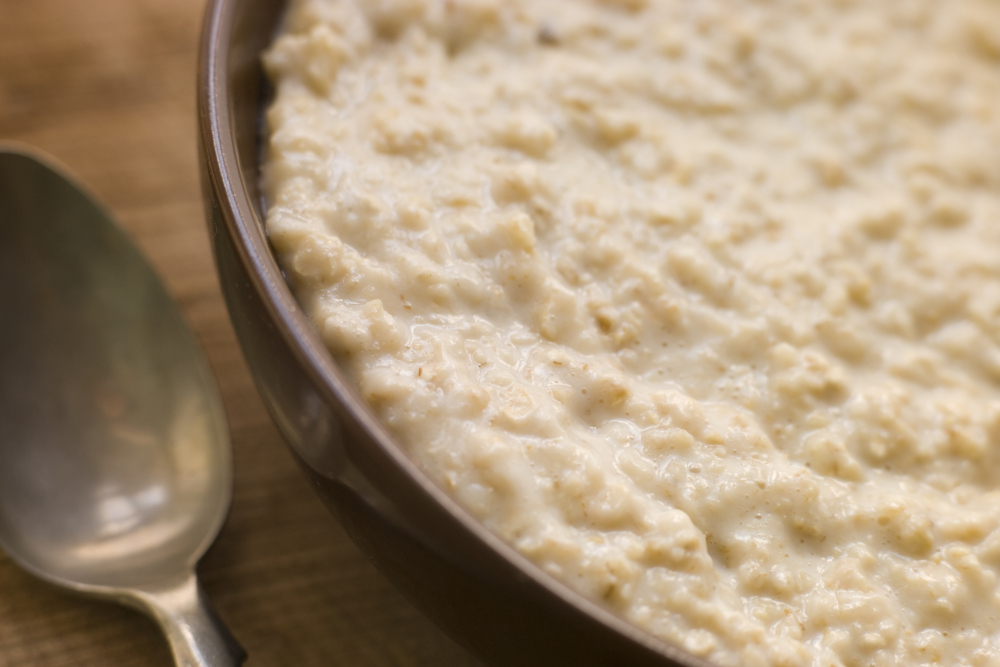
(697, 304)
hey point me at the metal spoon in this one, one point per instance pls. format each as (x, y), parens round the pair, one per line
(115, 464)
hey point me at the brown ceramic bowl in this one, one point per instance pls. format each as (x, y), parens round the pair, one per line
(482, 592)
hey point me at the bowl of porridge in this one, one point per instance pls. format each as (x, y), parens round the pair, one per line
(631, 331)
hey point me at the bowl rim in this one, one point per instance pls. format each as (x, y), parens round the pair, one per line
(220, 158)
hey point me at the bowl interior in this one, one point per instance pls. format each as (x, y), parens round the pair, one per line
(355, 463)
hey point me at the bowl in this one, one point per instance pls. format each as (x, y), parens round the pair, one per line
(482, 592)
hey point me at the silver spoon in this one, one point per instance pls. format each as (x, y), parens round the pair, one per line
(115, 464)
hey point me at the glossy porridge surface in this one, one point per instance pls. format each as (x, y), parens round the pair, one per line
(697, 304)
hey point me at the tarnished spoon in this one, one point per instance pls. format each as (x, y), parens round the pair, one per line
(115, 463)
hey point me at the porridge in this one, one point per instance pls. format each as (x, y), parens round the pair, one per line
(697, 304)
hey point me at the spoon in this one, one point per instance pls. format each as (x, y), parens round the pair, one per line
(115, 466)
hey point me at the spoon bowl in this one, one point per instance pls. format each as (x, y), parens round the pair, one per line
(115, 462)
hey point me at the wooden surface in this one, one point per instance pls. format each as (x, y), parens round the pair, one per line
(108, 88)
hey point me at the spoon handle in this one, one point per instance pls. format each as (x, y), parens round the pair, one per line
(197, 637)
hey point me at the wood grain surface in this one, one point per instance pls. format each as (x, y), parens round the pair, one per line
(108, 88)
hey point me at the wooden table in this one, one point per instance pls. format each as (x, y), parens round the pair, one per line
(108, 88)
